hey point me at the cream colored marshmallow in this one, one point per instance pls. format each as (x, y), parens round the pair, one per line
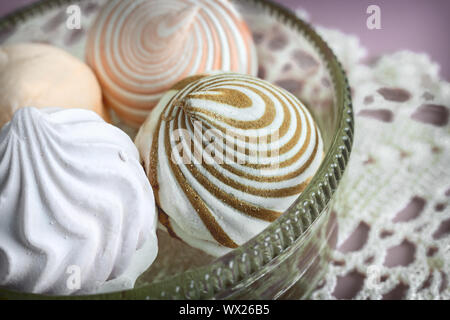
(41, 75)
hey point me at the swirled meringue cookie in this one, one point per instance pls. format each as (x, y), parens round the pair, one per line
(226, 155)
(41, 75)
(139, 49)
(77, 213)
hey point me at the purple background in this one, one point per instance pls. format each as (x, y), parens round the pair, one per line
(418, 25)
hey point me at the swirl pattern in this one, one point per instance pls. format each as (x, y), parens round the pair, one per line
(139, 49)
(226, 155)
(72, 193)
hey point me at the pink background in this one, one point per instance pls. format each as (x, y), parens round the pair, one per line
(418, 25)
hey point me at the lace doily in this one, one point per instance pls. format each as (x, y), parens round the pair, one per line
(393, 204)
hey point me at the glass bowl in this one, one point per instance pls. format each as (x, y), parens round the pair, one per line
(288, 259)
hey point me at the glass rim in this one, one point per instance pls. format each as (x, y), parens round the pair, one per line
(206, 281)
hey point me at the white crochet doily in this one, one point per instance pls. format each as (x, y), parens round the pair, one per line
(393, 205)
